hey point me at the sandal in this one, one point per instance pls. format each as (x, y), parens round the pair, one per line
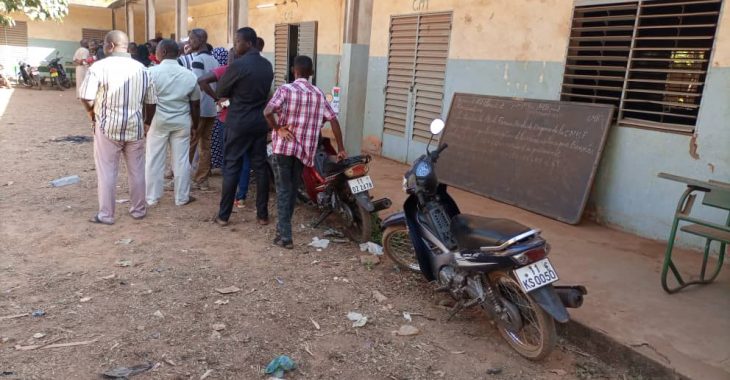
(95, 219)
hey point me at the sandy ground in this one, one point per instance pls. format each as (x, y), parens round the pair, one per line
(162, 308)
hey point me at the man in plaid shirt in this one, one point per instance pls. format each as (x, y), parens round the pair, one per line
(302, 110)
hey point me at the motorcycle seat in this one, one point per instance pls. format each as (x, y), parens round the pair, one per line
(474, 232)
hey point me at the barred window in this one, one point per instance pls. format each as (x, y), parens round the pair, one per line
(649, 58)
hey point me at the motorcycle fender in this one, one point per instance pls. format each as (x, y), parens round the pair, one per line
(363, 200)
(423, 255)
(394, 220)
(550, 302)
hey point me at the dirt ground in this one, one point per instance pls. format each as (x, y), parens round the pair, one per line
(163, 306)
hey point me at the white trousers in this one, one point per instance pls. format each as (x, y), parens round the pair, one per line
(158, 138)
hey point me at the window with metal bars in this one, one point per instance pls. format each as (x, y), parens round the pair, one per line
(648, 58)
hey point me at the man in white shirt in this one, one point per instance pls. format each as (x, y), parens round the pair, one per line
(178, 108)
(80, 60)
(119, 97)
(203, 63)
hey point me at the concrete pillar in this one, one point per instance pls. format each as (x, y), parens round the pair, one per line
(130, 21)
(149, 14)
(181, 19)
(237, 17)
(354, 71)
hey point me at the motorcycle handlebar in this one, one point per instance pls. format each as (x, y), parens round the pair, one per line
(435, 154)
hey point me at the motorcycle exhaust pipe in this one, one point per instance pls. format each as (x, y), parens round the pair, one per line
(381, 204)
(571, 296)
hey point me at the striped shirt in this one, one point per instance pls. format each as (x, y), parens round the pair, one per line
(119, 87)
(186, 61)
(302, 108)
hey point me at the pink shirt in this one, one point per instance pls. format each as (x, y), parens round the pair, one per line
(219, 72)
(303, 108)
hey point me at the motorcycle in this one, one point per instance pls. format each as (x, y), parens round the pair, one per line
(498, 265)
(28, 75)
(340, 187)
(58, 75)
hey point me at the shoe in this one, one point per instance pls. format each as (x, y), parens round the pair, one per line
(202, 186)
(288, 244)
(262, 222)
(239, 203)
(220, 222)
(138, 217)
(95, 219)
(191, 199)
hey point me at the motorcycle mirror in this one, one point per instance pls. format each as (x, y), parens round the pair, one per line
(437, 126)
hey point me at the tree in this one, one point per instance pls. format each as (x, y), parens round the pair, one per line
(34, 9)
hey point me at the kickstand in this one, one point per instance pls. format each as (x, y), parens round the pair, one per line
(321, 218)
(455, 310)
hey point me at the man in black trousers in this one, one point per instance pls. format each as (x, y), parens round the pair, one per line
(246, 83)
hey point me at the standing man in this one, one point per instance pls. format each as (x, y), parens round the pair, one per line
(203, 63)
(81, 57)
(178, 108)
(302, 109)
(114, 94)
(246, 83)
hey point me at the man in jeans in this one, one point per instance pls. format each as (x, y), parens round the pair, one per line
(178, 107)
(203, 63)
(301, 109)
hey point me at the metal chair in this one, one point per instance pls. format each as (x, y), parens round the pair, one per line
(716, 194)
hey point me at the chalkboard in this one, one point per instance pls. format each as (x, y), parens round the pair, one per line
(535, 154)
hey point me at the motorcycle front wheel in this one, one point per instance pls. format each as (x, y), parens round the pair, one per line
(66, 83)
(398, 246)
(530, 330)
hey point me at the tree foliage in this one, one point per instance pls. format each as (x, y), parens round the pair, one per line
(34, 9)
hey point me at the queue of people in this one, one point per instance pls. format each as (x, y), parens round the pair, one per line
(203, 102)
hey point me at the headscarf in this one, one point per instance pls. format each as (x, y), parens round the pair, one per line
(221, 55)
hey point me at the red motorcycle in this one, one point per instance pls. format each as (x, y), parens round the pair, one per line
(340, 187)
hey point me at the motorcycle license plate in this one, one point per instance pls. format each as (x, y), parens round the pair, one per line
(358, 185)
(34, 72)
(536, 275)
(54, 74)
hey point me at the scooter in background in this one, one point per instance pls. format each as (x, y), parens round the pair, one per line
(28, 75)
(59, 78)
(498, 265)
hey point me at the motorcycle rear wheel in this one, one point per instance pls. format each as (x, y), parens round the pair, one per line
(361, 228)
(536, 336)
(398, 247)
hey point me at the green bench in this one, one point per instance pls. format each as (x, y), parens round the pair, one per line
(717, 195)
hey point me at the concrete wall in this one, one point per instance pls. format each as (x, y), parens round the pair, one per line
(501, 47)
(329, 15)
(47, 37)
(518, 48)
(211, 16)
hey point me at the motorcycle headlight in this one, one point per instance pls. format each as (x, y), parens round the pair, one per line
(405, 185)
(423, 169)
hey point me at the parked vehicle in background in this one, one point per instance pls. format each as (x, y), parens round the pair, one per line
(497, 264)
(59, 78)
(28, 75)
(341, 188)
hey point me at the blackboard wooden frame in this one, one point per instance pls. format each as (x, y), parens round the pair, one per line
(520, 169)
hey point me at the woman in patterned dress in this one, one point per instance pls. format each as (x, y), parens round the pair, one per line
(221, 55)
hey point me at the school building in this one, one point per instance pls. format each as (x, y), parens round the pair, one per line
(664, 65)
